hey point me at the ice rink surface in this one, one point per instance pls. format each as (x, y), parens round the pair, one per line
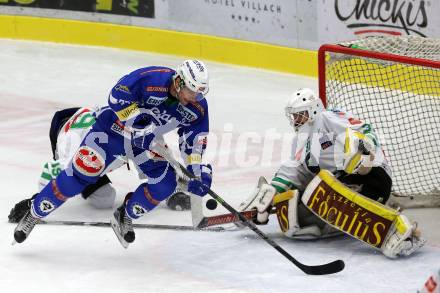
(37, 79)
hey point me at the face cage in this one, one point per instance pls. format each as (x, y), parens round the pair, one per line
(301, 119)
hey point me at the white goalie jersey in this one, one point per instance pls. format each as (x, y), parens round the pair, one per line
(330, 143)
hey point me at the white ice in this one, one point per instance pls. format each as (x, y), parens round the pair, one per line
(38, 78)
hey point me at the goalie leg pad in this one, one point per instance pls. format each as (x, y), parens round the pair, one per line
(290, 216)
(360, 217)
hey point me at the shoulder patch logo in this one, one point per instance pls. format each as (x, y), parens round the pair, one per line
(122, 88)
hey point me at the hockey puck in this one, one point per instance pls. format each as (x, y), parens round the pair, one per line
(211, 204)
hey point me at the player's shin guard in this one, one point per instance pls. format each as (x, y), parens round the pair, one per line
(55, 193)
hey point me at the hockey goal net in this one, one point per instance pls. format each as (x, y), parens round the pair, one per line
(394, 84)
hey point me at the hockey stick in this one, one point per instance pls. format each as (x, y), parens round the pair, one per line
(325, 269)
(144, 226)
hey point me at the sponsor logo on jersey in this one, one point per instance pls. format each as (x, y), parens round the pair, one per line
(139, 210)
(119, 128)
(128, 112)
(199, 107)
(115, 101)
(122, 88)
(88, 162)
(159, 116)
(187, 114)
(325, 142)
(156, 89)
(155, 101)
(348, 216)
(354, 121)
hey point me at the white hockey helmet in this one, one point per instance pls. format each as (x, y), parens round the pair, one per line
(303, 107)
(194, 75)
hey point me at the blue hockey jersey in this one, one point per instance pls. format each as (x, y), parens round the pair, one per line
(142, 97)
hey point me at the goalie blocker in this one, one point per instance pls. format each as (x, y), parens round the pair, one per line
(330, 208)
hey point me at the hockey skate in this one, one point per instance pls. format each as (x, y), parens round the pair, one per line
(413, 242)
(24, 227)
(122, 226)
(404, 243)
(20, 209)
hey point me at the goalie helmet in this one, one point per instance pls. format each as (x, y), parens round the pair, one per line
(303, 107)
(194, 75)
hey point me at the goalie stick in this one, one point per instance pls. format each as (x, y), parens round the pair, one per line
(324, 269)
(144, 226)
(205, 223)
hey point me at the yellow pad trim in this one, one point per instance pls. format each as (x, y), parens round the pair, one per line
(280, 197)
(349, 211)
(368, 204)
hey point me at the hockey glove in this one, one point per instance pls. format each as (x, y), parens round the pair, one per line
(142, 138)
(358, 160)
(202, 183)
(260, 200)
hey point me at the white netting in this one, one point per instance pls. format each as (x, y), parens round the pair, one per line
(401, 101)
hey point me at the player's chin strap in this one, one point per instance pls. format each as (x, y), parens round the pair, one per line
(329, 268)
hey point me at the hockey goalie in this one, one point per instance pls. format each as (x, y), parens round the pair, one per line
(337, 181)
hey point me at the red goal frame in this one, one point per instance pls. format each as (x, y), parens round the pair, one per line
(362, 53)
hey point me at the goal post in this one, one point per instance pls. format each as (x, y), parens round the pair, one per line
(392, 82)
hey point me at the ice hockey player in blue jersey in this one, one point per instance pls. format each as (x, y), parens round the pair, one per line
(142, 107)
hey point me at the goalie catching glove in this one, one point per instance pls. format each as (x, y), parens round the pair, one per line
(260, 200)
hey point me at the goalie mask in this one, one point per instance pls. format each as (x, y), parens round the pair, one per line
(193, 77)
(303, 108)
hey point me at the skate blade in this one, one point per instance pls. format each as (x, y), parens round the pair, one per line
(115, 228)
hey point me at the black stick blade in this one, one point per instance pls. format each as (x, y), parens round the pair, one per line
(325, 269)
